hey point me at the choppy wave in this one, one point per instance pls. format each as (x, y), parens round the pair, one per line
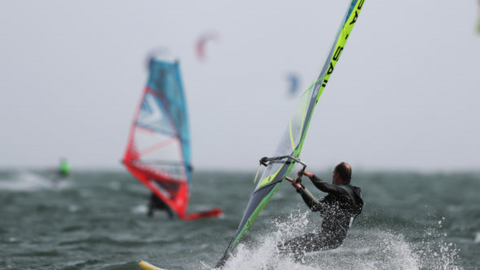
(363, 249)
(98, 221)
(25, 181)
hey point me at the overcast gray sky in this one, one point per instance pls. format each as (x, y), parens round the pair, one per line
(405, 94)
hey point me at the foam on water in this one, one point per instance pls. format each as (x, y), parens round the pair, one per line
(477, 238)
(435, 252)
(140, 209)
(25, 181)
(363, 249)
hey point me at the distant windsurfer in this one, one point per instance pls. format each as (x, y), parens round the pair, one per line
(157, 204)
(339, 208)
(63, 171)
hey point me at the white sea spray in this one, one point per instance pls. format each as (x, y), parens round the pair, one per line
(362, 249)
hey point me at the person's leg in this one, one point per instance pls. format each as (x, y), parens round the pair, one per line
(324, 240)
(171, 215)
(150, 209)
(296, 246)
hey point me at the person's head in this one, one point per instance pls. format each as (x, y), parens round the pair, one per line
(342, 174)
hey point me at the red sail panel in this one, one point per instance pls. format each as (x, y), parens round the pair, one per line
(158, 148)
(173, 193)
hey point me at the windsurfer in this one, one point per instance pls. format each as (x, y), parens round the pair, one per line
(157, 203)
(63, 171)
(339, 208)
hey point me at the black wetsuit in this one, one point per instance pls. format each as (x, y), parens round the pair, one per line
(157, 203)
(338, 210)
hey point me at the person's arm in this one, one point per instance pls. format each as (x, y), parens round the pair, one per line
(307, 197)
(323, 185)
(309, 200)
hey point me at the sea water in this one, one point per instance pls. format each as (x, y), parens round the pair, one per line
(98, 220)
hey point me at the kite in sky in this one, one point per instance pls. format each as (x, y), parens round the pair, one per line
(202, 41)
(293, 82)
